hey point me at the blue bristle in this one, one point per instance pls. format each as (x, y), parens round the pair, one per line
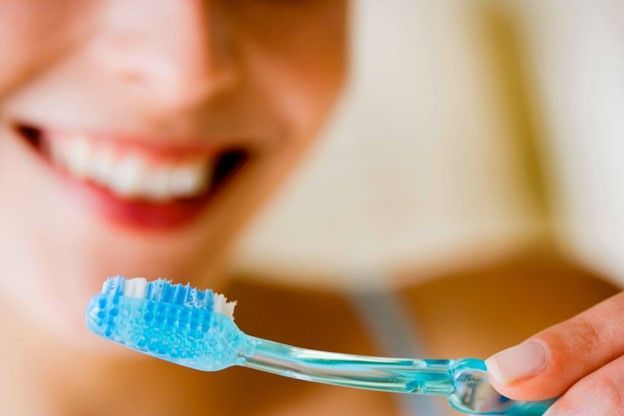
(180, 294)
(194, 299)
(209, 299)
(114, 286)
(168, 291)
(154, 290)
(200, 299)
(173, 322)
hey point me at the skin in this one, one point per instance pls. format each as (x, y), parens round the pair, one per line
(584, 364)
(266, 73)
(476, 312)
(222, 71)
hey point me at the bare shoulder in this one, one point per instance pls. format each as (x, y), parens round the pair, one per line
(473, 312)
(479, 311)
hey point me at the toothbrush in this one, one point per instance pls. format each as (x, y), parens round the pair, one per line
(195, 328)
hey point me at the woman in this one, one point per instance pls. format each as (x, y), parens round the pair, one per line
(138, 137)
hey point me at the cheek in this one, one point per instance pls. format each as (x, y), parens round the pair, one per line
(32, 32)
(312, 91)
(28, 281)
(301, 96)
(296, 56)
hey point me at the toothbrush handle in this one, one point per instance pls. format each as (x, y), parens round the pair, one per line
(464, 382)
(473, 393)
(431, 377)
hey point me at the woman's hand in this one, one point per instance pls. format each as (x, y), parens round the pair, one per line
(581, 360)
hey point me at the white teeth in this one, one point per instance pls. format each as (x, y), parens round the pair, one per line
(157, 185)
(127, 176)
(103, 166)
(78, 154)
(131, 174)
(187, 180)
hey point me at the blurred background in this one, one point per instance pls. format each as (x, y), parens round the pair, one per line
(472, 129)
(473, 173)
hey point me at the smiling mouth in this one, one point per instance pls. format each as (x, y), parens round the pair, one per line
(136, 183)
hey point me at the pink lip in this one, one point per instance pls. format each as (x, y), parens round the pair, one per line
(137, 215)
(154, 146)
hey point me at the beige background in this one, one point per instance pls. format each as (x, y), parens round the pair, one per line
(471, 129)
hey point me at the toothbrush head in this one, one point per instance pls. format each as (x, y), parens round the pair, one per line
(174, 322)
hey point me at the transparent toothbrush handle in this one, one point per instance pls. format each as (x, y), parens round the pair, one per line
(473, 394)
(464, 382)
(397, 375)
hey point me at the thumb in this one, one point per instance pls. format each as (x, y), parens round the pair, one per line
(549, 363)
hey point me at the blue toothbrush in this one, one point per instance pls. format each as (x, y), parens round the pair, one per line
(196, 329)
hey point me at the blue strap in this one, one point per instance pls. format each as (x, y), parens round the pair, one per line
(384, 315)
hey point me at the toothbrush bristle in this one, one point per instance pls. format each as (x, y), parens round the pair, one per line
(162, 290)
(171, 321)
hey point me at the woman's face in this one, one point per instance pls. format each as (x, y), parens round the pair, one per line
(137, 136)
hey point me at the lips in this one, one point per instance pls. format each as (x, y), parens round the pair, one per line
(136, 183)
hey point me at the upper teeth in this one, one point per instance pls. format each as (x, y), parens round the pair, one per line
(130, 174)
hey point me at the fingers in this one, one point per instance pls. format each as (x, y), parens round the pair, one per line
(553, 360)
(599, 394)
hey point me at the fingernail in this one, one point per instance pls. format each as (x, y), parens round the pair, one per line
(518, 362)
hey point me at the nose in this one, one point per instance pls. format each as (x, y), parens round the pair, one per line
(175, 50)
